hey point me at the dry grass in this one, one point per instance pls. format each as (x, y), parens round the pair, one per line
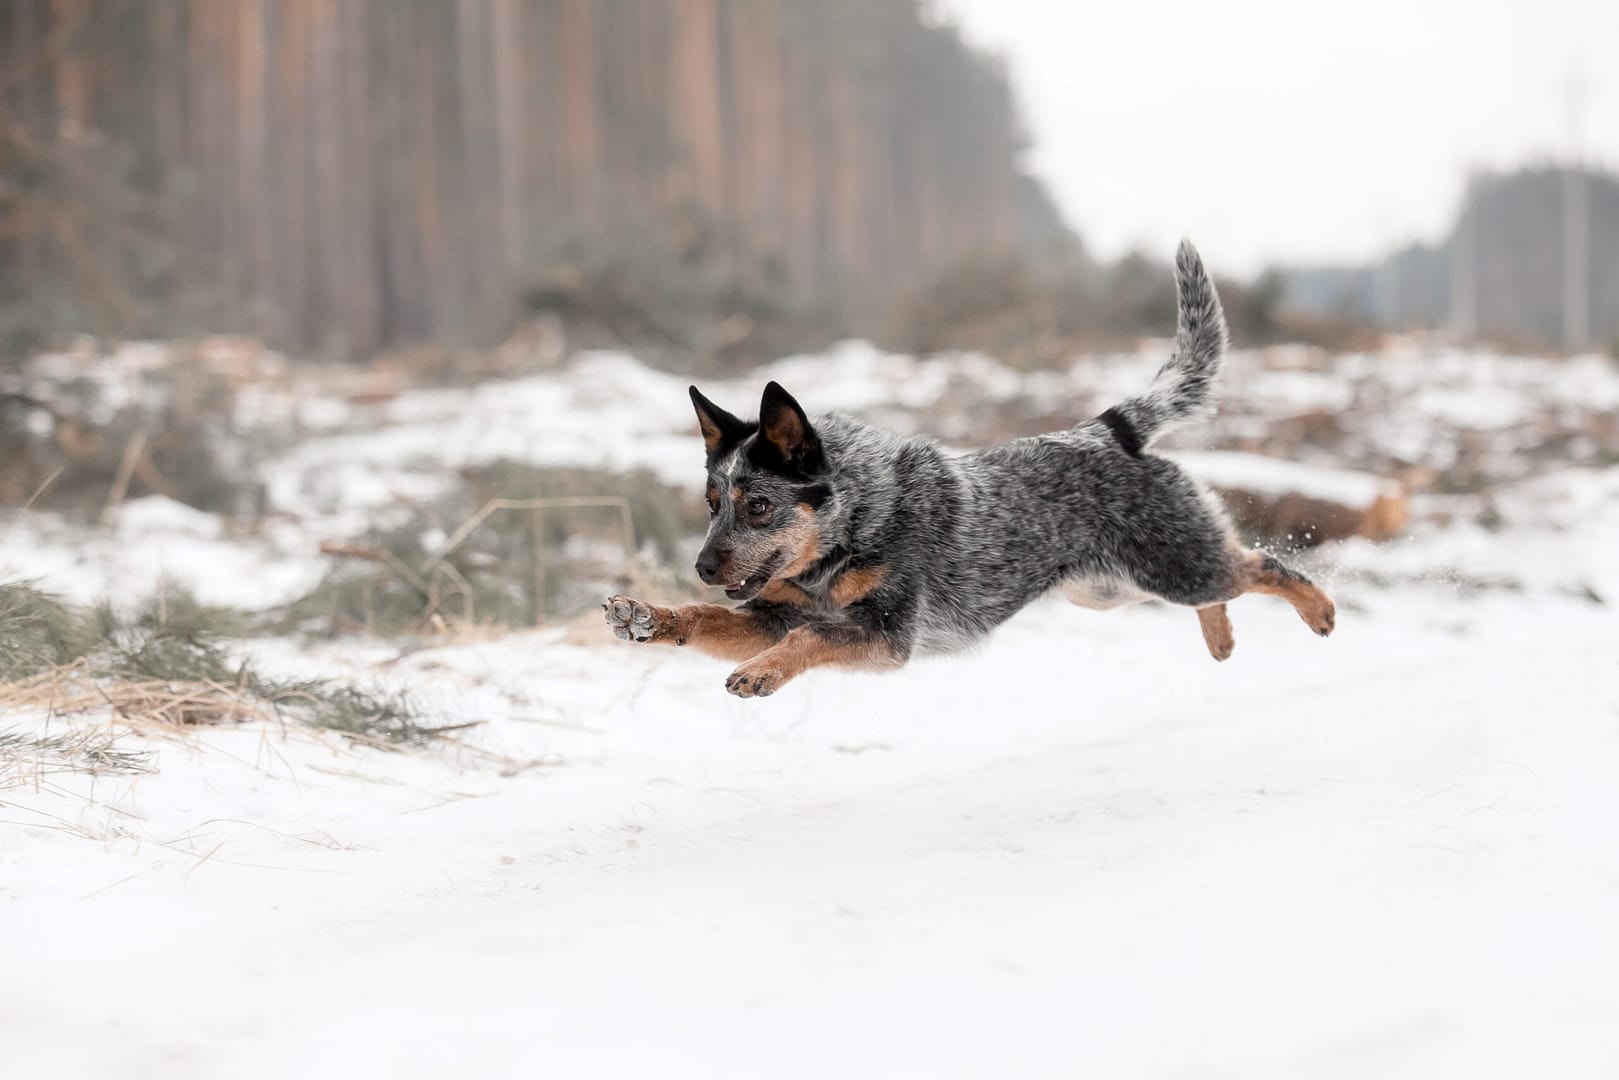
(78, 688)
(26, 758)
(162, 670)
(171, 429)
(516, 545)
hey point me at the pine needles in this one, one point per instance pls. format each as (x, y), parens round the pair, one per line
(171, 664)
(36, 632)
(27, 757)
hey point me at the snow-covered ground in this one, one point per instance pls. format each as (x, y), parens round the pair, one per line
(1084, 849)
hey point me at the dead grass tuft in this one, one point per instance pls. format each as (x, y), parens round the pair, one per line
(27, 758)
(515, 546)
(171, 666)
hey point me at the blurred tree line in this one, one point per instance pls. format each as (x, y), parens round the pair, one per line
(345, 175)
(1508, 238)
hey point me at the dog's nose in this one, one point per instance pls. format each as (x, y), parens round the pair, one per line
(708, 566)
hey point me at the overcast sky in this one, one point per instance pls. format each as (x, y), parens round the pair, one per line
(1300, 130)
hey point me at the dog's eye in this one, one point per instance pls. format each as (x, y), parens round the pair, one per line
(758, 507)
(713, 506)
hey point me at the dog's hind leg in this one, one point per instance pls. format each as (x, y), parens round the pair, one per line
(1216, 624)
(1263, 573)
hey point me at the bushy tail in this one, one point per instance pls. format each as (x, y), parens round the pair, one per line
(1183, 389)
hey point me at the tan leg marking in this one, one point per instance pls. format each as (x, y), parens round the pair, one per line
(852, 585)
(1216, 624)
(800, 650)
(1263, 574)
(718, 631)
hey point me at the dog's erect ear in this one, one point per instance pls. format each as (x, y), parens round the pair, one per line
(786, 430)
(721, 430)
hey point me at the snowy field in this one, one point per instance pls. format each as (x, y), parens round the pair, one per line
(1083, 850)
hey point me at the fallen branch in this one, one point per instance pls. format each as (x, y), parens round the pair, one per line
(126, 469)
(535, 507)
(571, 502)
(371, 553)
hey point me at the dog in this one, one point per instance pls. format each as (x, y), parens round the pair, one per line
(850, 546)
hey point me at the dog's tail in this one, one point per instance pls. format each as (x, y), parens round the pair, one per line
(1183, 389)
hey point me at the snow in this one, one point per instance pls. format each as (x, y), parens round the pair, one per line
(1271, 476)
(538, 420)
(1387, 854)
(1497, 407)
(153, 540)
(1084, 848)
(1554, 536)
(855, 376)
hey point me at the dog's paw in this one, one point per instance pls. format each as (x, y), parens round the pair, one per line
(755, 680)
(1322, 617)
(632, 620)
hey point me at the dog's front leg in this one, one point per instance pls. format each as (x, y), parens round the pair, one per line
(805, 647)
(718, 631)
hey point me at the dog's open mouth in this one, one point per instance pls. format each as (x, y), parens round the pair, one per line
(749, 587)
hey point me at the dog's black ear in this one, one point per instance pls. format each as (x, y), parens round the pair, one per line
(721, 430)
(787, 431)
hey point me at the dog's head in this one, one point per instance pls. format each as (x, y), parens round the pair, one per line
(766, 481)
